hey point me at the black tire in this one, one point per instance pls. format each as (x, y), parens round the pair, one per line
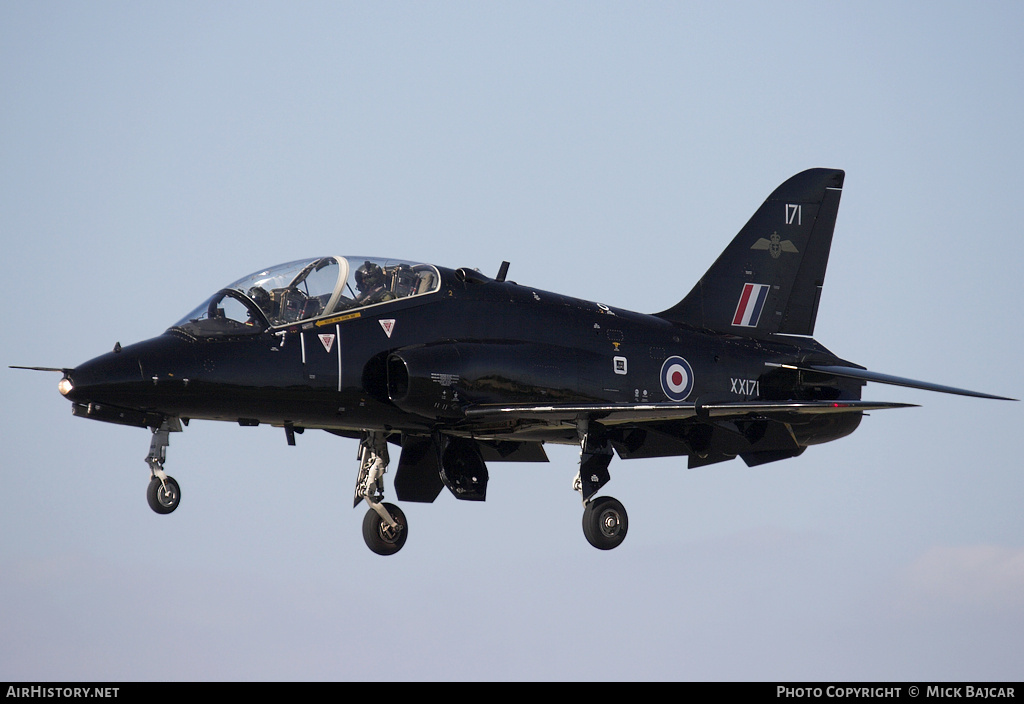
(379, 536)
(605, 523)
(163, 500)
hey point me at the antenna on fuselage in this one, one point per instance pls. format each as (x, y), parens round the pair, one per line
(502, 271)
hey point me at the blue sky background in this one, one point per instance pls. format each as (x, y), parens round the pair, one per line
(153, 152)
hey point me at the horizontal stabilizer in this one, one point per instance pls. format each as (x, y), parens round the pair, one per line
(865, 375)
(625, 413)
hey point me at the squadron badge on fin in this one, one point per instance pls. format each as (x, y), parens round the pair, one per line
(775, 245)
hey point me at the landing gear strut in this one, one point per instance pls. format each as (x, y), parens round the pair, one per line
(163, 492)
(385, 528)
(604, 519)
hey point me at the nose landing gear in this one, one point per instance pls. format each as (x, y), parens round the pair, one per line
(163, 492)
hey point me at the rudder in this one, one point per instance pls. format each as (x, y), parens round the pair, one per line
(768, 280)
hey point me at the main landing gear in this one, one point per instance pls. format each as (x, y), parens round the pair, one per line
(163, 492)
(384, 526)
(604, 519)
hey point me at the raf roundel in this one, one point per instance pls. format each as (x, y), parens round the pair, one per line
(676, 378)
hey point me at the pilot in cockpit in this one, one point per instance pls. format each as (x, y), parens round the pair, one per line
(372, 285)
(262, 298)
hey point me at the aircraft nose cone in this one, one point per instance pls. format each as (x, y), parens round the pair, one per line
(113, 373)
(130, 376)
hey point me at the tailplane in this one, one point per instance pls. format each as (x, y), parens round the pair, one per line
(769, 279)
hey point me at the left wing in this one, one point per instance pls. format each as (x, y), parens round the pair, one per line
(626, 413)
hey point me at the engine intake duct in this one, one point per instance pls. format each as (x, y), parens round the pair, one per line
(423, 380)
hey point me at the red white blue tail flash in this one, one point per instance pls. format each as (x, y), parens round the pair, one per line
(748, 310)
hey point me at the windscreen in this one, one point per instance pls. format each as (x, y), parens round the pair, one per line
(306, 289)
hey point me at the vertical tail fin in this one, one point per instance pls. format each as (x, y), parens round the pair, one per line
(769, 279)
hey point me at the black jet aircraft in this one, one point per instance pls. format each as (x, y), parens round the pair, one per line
(460, 370)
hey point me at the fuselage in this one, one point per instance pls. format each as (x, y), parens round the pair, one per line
(412, 364)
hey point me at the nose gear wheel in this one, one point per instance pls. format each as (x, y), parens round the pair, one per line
(163, 495)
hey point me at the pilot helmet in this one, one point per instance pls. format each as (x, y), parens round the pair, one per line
(261, 297)
(368, 276)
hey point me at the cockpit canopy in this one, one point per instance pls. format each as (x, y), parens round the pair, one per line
(309, 288)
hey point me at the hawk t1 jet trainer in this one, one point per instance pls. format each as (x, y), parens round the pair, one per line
(455, 370)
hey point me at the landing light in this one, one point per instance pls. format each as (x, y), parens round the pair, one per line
(65, 386)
